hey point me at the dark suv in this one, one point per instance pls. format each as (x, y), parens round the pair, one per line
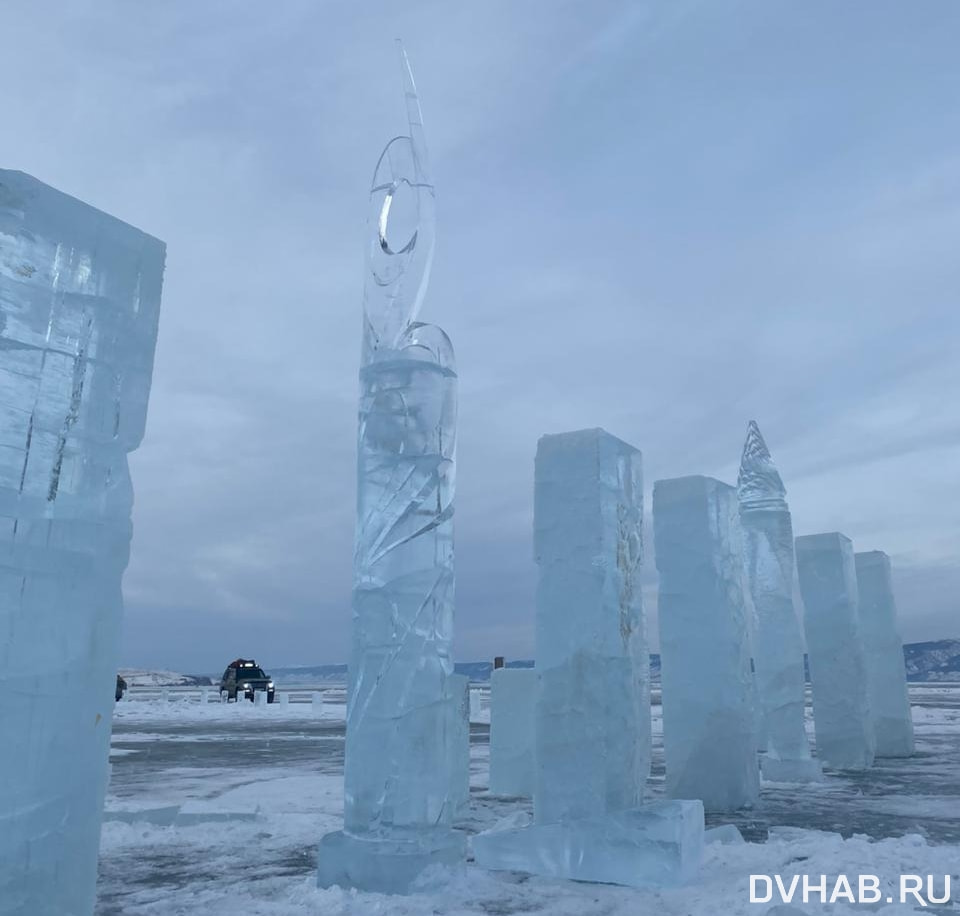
(244, 677)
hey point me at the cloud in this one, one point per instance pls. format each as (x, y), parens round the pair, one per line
(658, 218)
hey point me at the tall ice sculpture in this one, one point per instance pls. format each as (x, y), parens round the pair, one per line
(400, 789)
(883, 651)
(79, 306)
(838, 667)
(709, 726)
(592, 713)
(778, 637)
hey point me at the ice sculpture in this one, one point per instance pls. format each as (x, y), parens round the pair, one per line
(513, 697)
(883, 651)
(592, 716)
(709, 728)
(777, 636)
(400, 735)
(79, 305)
(838, 674)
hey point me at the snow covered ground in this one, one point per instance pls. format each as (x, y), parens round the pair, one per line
(217, 809)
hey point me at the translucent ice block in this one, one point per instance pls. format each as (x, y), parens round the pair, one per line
(709, 727)
(883, 651)
(513, 697)
(657, 845)
(838, 673)
(593, 706)
(79, 305)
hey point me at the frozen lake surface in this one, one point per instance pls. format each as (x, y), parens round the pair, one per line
(218, 809)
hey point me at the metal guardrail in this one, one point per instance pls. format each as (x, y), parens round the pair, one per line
(194, 694)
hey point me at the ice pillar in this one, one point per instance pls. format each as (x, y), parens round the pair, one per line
(777, 638)
(592, 715)
(838, 675)
(593, 706)
(513, 698)
(709, 727)
(883, 651)
(401, 738)
(79, 306)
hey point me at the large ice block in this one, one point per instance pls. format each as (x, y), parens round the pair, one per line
(513, 697)
(838, 674)
(399, 797)
(592, 711)
(709, 728)
(777, 637)
(657, 845)
(593, 706)
(79, 306)
(883, 651)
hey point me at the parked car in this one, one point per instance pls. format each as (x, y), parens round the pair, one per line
(121, 688)
(243, 678)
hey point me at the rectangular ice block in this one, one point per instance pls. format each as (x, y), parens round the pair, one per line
(838, 673)
(593, 707)
(657, 845)
(709, 727)
(513, 696)
(883, 650)
(79, 306)
(460, 742)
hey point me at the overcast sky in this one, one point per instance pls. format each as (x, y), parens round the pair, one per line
(662, 218)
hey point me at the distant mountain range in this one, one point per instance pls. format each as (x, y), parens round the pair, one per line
(925, 662)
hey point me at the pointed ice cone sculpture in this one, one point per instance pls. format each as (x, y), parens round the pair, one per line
(403, 734)
(777, 635)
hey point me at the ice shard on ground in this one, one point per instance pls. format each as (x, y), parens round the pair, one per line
(709, 727)
(400, 743)
(883, 651)
(513, 698)
(79, 306)
(777, 637)
(838, 673)
(592, 715)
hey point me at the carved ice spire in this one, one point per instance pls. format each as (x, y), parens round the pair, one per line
(758, 484)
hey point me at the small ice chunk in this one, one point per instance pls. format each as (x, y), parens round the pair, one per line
(838, 672)
(316, 703)
(474, 705)
(724, 834)
(260, 698)
(659, 844)
(513, 698)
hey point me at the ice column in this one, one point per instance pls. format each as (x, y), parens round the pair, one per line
(513, 696)
(79, 305)
(592, 717)
(709, 727)
(400, 734)
(777, 638)
(460, 762)
(838, 675)
(593, 706)
(883, 651)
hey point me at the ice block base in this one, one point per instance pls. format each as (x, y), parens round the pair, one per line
(386, 864)
(655, 845)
